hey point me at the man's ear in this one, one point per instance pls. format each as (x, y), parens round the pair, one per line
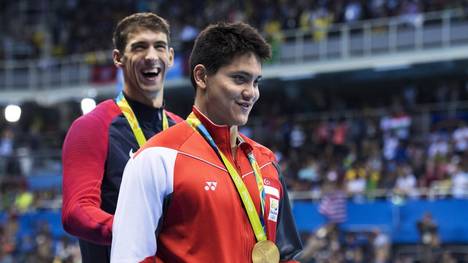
(200, 76)
(171, 57)
(117, 58)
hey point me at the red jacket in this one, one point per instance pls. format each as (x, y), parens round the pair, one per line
(178, 202)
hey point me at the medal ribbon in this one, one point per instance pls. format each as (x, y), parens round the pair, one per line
(132, 120)
(256, 221)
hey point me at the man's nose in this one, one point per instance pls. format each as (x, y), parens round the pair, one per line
(249, 91)
(151, 55)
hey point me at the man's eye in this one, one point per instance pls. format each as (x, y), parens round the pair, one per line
(160, 47)
(239, 79)
(138, 48)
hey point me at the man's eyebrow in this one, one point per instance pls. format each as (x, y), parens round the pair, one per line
(142, 42)
(243, 73)
(247, 75)
(138, 43)
(161, 42)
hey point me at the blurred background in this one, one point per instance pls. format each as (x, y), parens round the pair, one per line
(365, 104)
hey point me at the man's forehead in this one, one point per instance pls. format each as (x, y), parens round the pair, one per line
(247, 63)
(146, 34)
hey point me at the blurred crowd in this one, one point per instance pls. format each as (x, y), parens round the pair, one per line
(26, 224)
(329, 244)
(55, 28)
(408, 142)
(412, 143)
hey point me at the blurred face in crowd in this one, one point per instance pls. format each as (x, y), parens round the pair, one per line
(227, 96)
(145, 61)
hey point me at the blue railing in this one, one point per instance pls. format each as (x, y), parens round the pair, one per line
(397, 220)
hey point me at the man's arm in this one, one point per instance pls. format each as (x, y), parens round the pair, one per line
(83, 156)
(147, 180)
(287, 238)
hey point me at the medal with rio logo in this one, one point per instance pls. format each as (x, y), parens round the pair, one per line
(264, 251)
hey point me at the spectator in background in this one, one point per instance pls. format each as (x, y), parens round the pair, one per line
(187, 37)
(447, 257)
(353, 11)
(381, 245)
(310, 172)
(297, 137)
(6, 150)
(460, 181)
(439, 146)
(44, 244)
(24, 199)
(428, 231)
(353, 251)
(460, 138)
(8, 236)
(356, 180)
(66, 251)
(406, 183)
(324, 246)
(99, 144)
(411, 12)
(340, 133)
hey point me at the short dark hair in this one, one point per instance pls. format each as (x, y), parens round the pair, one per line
(136, 22)
(219, 43)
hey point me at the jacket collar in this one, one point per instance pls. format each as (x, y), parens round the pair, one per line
(145, 113)
(221, 134)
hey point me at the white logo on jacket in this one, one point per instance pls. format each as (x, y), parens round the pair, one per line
(211, 185)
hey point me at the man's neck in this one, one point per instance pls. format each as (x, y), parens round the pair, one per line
(233, 130)
(234, 133)
(153, 100)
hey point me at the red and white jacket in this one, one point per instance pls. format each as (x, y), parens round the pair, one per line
(177, 202)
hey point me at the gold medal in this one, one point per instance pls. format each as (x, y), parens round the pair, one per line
(265, 252)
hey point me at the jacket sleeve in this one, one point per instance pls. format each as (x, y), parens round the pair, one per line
(146, 182)
(287, 237)
(84, 155)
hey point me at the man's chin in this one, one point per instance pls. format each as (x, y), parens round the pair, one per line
(152, 84)
(241, 122)
(153, 87)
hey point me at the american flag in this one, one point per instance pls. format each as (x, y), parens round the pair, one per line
(333, 206)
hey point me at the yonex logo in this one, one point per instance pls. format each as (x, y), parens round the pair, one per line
(211, 185)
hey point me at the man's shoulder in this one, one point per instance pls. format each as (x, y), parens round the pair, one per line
(85, 129)
(104, 112)
(172, 138)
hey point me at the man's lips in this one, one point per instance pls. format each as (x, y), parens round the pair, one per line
(244, 105)
(151, 73)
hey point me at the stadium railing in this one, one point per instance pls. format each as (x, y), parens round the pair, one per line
(338, 42)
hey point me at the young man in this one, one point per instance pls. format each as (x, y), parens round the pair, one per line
(99, 144)
(201, 191)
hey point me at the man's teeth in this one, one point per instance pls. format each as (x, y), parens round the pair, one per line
(152, 71)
